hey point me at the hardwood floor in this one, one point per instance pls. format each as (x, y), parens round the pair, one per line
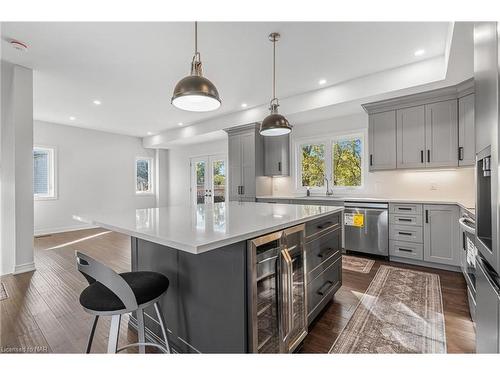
(42, 313)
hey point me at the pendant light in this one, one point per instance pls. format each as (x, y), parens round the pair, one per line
(274, 124)
(196, 93)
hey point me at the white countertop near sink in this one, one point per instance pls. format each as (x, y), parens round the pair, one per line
(196, 229)
(465, 205)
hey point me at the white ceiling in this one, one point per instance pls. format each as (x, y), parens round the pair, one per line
(133, 67)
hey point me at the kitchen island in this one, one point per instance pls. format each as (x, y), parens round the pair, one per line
(206, 253)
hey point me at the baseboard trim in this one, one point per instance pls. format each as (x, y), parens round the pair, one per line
(22, 268)
(43, 232)
(421, 263)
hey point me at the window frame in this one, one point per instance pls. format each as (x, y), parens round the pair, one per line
(150, 161)
(53, 194)
(328, 140)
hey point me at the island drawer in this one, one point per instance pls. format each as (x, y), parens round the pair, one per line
(406, 208)
(320, 252)
(406, 249)
(403, 219)
(321, 290)
(406, 233)
(317, 227)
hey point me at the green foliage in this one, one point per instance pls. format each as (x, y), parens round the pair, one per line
(313, 165)
(219, 173)
(347, 162)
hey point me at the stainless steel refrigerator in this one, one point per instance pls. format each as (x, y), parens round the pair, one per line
(486, 77)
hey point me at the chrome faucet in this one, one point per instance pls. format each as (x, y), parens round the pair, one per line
(328, 190)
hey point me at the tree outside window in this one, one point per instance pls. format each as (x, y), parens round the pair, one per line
(143, 183)
(313, 165)
(347, 162)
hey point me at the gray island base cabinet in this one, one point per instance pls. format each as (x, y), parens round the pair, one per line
(207, 308)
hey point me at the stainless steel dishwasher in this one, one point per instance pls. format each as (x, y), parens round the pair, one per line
(366, 227)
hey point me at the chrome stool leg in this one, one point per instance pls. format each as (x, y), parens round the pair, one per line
(141, 330)
(91, 336)
(162, 325)
(114, 331)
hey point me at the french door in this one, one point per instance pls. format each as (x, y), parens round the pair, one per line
(208, 179)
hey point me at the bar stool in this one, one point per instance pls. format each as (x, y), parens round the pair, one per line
(110, 293)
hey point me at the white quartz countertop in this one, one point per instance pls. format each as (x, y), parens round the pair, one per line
(465, 205)
(205, 227)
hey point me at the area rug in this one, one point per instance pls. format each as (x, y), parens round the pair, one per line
(3, 292)
(401, 312)
(356, 264)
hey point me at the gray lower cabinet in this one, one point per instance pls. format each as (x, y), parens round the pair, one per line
(411, 137)
(466, 131)
(323, 262)
(277, 155)
(245, 161)
(441, 234)
(441, 134)
(382, 141)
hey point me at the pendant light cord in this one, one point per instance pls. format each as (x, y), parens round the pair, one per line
(196, 64)
(195, 37)
(274, 69)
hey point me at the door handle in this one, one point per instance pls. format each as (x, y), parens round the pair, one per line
(428, 156)
(421, 156)
(371, 159)
(288, 311)
(427, 216)
(460, 153)
(279, 166)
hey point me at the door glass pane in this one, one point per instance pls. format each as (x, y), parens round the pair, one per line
(219, 181)
(347, 162)
(200, 181)
(313, 165)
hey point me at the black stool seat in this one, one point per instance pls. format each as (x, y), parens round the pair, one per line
(146, 287)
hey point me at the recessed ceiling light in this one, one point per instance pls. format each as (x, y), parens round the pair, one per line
(180, 123)
(244, 105)
(20, 46)
(419, 52)
(150, 133)
(72, 118)
(322, 81)
(97, 102)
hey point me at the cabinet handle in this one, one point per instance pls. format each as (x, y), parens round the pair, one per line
(404, 208)
(324, 288)
(427, 216)
(405, 233)
(428, 156)
(324, 225)
(279, 166)
(404, 219)
(371, 159)
(460, 153)
(421, 156)
(405, 250)
(326, 253)
(242, 189)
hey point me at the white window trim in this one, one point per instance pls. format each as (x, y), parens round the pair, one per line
(53, 175)
(327, 140)
(150, 173)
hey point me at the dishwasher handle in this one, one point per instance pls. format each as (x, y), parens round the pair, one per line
(352, 204)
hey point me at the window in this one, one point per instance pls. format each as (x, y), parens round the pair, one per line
(346, 154)
(44, 173)
(312, 165)
(338, 158)
(143, 177)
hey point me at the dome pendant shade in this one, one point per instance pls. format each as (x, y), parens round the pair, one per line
(274, 124)
(196, 93)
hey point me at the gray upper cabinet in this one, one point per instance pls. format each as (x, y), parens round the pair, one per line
(411, 137)
(441, 234)
(277, 155)
(382, 140)
(245, 161)
(433, 129)
(466, 131)
(441, 134)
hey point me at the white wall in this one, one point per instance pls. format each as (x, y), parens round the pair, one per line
(450, 184)
(95, 172)
(16, 171)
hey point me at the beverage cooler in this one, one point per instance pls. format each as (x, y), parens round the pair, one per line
(277, 295)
